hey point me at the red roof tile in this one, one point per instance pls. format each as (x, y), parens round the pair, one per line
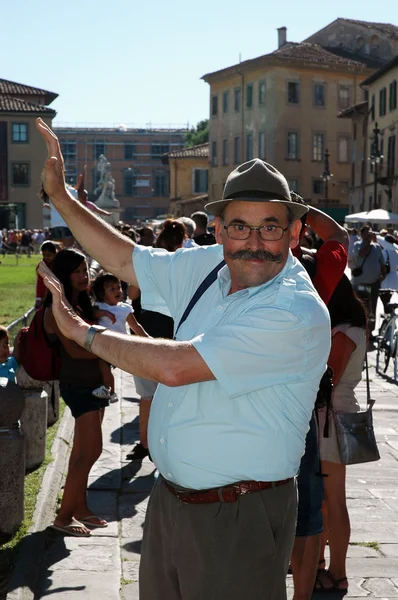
(199, 151)
(10, 104)
(313, 53)
(11, 88)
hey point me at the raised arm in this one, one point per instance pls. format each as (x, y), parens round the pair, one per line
(326, 227)
(109, 247)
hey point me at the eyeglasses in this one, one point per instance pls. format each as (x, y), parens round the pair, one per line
(269, 233)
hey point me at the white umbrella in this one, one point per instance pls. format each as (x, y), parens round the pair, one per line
(377, 215)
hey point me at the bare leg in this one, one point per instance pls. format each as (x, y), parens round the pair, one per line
(338, 520)
(145, 408)
(87, 448)
(304, 561)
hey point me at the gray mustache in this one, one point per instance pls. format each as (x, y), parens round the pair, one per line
(256, 255)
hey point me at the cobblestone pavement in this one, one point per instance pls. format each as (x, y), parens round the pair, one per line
(106, 565)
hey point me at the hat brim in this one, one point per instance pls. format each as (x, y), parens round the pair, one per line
(217, 207)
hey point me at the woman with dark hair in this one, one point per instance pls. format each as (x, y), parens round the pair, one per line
(171, 236)
(79, 376)
(348, 321)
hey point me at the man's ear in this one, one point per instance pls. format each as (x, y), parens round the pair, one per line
(295, 230)
(219, 229)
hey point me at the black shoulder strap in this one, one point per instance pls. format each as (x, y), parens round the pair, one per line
(206, 283)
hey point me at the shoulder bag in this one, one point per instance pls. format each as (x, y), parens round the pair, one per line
(355, 435)
(357, 272)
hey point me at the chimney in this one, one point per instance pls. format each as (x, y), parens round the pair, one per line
(282, 36)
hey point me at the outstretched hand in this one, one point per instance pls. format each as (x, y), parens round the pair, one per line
(53, 173)
(70, 324)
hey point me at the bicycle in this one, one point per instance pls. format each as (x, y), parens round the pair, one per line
(387, 340)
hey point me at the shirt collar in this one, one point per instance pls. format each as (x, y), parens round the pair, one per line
(224, 279)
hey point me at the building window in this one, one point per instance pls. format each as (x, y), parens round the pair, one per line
(343, 148)
(344, 188)
(160, 187)
(214, 106)
(20, 173)
(382, 102)
(372, 109)
(319, 94)
(292, 183)
(129, 182)
(292, 145)
(293, 92)
(393, 96)
(318, 146)
(157, 150)
(20, 133)
(249, 146)
(236, 150)
(225, 102)
(391, 156)
(214, 154)
(237, 99)
(130, 151)
(344, 96)
(70, 174)
(359, 43)
(99, 148)
(317, 186)
(225, 152)
(249, 95)
(261, 145)
(261, 92)
(68, 149)
(200, 181)
(374, 44)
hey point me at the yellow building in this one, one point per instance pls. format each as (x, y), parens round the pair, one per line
(22, 153)
(189, 177)
(381, 189)
(282, 107)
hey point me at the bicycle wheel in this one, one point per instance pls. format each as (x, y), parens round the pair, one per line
(384, 349)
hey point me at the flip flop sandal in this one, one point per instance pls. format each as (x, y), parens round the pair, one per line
(337, 582)
(71, 529)
(319, 587)
(87, 521)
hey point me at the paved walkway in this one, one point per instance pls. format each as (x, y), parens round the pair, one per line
(105, 566)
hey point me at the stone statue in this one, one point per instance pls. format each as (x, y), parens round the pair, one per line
(106, 186)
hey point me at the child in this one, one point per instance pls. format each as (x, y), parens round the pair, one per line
(48, 250)
(8, 364)
(108, 293)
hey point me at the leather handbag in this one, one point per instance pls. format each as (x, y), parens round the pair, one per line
(355, 434)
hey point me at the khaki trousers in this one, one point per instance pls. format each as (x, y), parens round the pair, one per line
(220, 551)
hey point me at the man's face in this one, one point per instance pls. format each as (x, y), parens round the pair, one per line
(255, 261)
(366, 236)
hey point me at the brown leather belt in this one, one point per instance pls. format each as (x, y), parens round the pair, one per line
(228, 493)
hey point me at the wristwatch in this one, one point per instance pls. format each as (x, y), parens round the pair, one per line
(88, 342)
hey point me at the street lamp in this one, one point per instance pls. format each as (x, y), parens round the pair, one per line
(375, 159)
(326, 175)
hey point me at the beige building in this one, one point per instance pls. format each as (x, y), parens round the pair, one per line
(283, 107)
(22, 152)
(189, 179)
(374, 182)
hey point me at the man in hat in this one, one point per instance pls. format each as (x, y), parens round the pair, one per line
(237, 385)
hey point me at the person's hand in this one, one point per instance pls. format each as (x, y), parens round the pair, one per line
(53, 173)
(69, 323)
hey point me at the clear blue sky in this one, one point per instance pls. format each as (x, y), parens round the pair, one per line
(140, 61)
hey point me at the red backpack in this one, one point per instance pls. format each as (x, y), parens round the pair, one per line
(40, 358)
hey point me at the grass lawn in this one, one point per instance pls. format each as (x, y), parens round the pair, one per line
(17, 286)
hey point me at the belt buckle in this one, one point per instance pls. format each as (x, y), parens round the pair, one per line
(243, 488)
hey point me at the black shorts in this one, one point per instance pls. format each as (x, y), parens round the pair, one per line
(60, 233)
(80, 399)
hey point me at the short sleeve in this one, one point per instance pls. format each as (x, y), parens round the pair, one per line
(331, 261)
(151, 266)
(356, 334)
(267, 348)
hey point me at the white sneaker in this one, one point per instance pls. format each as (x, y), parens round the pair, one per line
(102, 392)
(113, 398)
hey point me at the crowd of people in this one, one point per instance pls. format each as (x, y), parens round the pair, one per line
(232, 334)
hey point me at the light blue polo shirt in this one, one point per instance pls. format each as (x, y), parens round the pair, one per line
(267, 346)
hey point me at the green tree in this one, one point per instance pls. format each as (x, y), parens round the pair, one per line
(199, 134)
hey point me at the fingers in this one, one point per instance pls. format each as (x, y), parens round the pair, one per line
(53, 147)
